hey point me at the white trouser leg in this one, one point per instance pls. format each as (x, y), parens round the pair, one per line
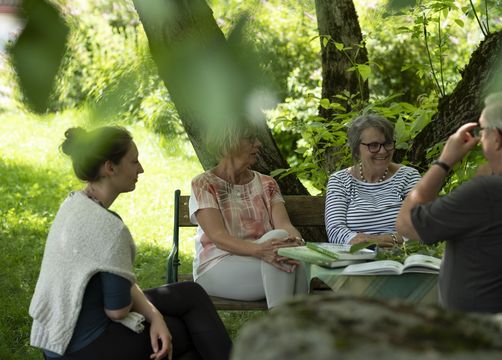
(279, 285)
(247, 278)
(234, 277)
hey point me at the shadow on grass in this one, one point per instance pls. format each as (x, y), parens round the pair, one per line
(30, 197)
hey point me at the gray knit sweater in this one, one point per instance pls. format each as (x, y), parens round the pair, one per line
(84, 239)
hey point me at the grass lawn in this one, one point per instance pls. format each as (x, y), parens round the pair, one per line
(35, 177)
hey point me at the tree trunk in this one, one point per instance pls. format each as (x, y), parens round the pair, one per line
(338, 22)
(483, 75)
(200, 69)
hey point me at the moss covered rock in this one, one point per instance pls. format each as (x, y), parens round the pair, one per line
(349, 327)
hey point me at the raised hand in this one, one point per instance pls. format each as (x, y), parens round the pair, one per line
(459, 144)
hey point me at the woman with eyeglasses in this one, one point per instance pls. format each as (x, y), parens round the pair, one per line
(362, 201)
(242, 221)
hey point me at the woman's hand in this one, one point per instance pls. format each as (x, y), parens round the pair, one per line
(160, 333)
(383, 240)
(268, 252)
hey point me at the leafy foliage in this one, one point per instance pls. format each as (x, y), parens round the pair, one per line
(402, 251)
(107, 73)
(327, 137)
(108, 68)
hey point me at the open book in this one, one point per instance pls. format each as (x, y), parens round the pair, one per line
(307, 255)
(341, 251)
(416, 263)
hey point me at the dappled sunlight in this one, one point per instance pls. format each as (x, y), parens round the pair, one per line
(169, 165)
(30, 197)
(35, 177)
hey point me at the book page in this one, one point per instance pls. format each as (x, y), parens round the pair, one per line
(380, 267)
(341, 252)
(422, 264)
(310, 256)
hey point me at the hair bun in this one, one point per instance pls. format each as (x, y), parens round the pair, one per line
(74, 139)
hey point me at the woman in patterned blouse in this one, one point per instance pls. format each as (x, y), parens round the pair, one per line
(242, 221)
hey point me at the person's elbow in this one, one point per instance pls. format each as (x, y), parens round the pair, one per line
(404, 225)
(401, 225)
(118, 314)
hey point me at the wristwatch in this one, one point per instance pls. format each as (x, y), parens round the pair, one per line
(442, 165)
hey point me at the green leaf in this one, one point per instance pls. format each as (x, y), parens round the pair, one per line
(38, 51)
(339, 46)
(400, 4)
(277, 172)
(325, 103)
(445, 12)
(459, 23)
(362, 245)
(406, 67)
(400, 130)
(337, 106)
(364, 71)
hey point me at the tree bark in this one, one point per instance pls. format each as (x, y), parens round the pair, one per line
(482, 76)
(185, 42)
(338, 22)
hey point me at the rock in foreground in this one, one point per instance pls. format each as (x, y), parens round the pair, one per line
(348, 327)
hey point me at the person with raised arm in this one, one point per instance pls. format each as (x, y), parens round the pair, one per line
(468, 219)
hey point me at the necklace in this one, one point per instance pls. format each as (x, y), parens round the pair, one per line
(89, 191)
(243, 179)
(363, 179)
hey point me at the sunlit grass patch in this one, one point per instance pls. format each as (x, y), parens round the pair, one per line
(35, 177)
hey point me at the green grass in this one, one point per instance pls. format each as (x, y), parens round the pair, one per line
(35, 177)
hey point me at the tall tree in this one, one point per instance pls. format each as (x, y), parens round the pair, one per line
(344, 62)
(342, 48)
(207, 76)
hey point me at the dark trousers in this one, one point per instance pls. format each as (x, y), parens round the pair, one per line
(196, 329)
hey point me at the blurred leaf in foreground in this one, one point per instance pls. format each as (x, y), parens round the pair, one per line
(38, 51)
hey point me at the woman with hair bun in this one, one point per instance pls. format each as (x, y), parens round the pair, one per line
(87, 304)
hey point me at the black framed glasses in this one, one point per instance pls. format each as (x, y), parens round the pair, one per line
(375, 147)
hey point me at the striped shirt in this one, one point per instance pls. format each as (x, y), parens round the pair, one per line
(353, 206)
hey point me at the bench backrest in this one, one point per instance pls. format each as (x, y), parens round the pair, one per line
(303, 210)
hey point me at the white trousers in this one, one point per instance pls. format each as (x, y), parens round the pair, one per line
(248, 278)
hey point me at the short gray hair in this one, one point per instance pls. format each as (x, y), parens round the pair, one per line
(227, 138)
(492, 113)
(363, 122)
(493, 98)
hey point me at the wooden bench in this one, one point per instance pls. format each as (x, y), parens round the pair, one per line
(306, 213)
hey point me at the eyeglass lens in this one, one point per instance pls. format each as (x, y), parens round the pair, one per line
(375, 147)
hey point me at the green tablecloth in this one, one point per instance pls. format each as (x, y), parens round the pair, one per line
(414, 287)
